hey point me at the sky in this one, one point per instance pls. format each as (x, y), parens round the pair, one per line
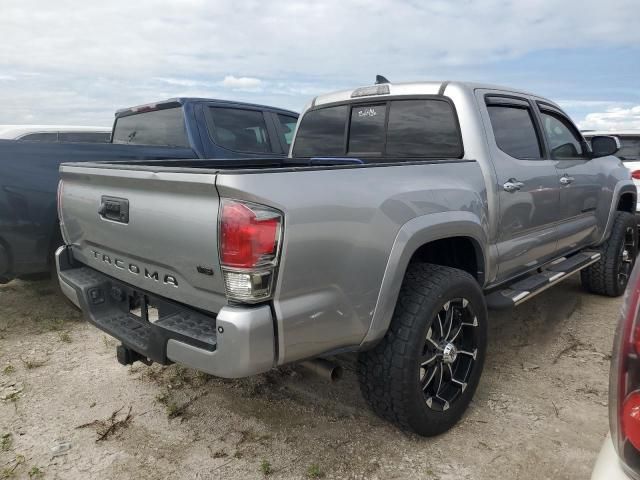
(76, 62)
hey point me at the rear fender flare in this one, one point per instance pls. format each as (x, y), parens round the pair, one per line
(411, 236)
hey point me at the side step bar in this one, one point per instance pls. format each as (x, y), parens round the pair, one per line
(529, 287)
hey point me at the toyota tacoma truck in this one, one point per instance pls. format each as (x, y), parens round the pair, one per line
(178, 128)
(402, 213)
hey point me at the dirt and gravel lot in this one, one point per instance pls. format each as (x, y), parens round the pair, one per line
(70, 411)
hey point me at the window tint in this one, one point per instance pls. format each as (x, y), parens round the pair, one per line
(159, 127)
(288, 127)
(84, 137)
(239, 130)
(563, 142)
(423, 128)
(629, 148)
(514, 131)
(40, 137)
(366, 134)
(321, 133)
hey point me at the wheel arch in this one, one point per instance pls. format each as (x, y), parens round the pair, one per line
(624, 199)
(433, 238)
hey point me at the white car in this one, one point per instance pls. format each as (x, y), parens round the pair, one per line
(629, 151)
(619, 458)
(55, 133)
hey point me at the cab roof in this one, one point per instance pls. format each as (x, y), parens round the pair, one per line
(180, 101)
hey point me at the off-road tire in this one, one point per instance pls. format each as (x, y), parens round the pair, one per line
(603, 277)
(389, 373)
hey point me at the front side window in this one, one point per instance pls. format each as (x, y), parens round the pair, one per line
(514, 131)
(287, 127)
(239, 130)
(159, 127)
(563, 141)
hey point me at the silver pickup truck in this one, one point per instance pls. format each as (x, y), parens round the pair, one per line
(401, 214)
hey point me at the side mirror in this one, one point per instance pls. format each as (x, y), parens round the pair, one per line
(604, 145)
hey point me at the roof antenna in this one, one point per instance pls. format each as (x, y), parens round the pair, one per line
(381, 79)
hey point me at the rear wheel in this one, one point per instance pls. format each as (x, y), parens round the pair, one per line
(610, 275)
(424, 372)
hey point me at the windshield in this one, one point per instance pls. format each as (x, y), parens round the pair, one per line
(159, 127)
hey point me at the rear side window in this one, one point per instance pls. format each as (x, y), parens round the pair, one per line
(239, 130)
(159, 127)
(514, 131)
(40, 137)
(423, 128)
(287, 127)
(84, 137)
(321, 133)
(418, 128)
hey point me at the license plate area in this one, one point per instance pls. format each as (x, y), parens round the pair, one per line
(148, 308)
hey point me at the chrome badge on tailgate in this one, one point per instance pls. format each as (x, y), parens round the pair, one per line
(135, 269)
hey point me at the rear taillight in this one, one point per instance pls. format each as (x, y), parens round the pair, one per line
(635, 174)
(250, 237)
(624, 380)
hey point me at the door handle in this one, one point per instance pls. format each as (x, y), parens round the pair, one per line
(512, 185)
(566, 180)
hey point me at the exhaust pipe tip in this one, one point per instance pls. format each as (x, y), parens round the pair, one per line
(324, 368)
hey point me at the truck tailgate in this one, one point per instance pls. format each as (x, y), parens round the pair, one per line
(157, 231)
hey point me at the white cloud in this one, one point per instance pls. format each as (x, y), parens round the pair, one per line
(616, 118)
(242, 83)
(106, 55)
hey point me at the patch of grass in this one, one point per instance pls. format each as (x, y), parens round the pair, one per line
(13, 397)
(10, 472)
(6, 442)
(266, 468)
(9, 369)
(110, 426)
(65, 337)
(32, 363)
(314, 471)
(35, 472)
(54, 324)
(162, 398)
(173, 410)
(237, 454)
(220, 454)
(108, 342)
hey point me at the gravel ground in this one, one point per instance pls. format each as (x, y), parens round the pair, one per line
(68, 410)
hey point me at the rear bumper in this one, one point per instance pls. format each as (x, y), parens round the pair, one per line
(237, 342)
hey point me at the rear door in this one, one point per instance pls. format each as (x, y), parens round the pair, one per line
(579, 177)
(528, 188)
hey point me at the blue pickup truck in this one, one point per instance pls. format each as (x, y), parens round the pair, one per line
(179, 128)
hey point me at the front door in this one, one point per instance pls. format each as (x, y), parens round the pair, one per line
(580, 185)
(527, 184)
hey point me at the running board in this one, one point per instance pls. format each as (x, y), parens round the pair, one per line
(529, 287)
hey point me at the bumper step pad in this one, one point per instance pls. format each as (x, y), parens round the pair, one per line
(108, 304)
(524, 289)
